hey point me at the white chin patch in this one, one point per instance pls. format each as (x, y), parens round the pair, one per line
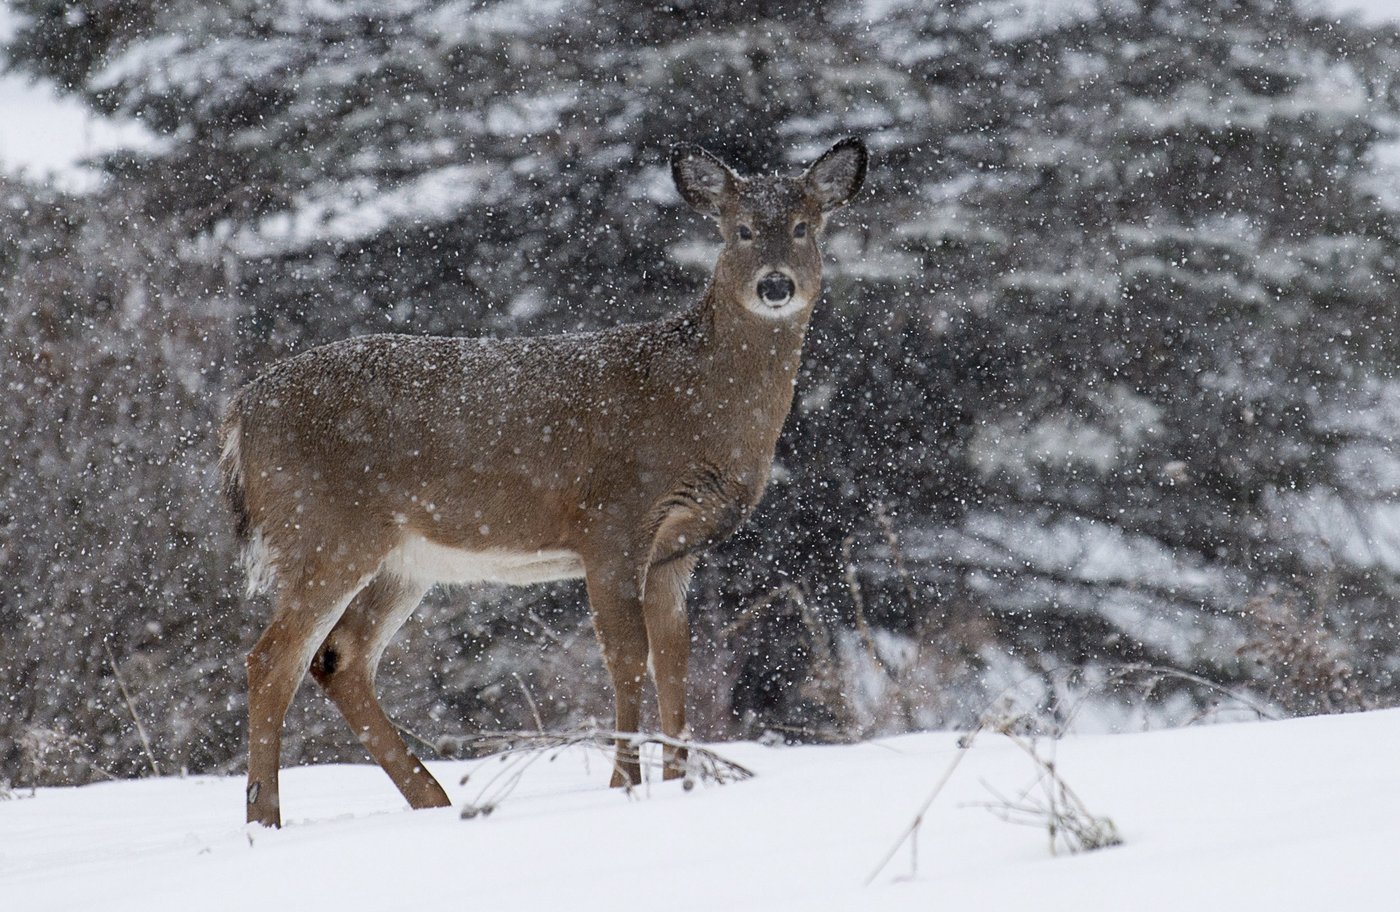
(781, 311)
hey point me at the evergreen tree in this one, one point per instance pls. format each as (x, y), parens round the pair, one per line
(1103, 373)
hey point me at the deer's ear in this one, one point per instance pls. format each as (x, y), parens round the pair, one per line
(836, 177)
(702, 179)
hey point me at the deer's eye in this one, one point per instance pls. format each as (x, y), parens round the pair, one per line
(799, 230)
(745, 233)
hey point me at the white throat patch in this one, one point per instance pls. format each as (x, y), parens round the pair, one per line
(783, 311)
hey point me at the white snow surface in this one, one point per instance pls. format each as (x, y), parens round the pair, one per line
(1302, 814)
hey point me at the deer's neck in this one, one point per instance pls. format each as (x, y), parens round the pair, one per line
(750, 363)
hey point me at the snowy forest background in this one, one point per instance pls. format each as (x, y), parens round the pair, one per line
(1104, 376)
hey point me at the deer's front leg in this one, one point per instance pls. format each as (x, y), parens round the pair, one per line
(615, 595)
(668, 635)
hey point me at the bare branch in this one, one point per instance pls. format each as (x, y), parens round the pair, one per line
(517, 751)
(131, 708)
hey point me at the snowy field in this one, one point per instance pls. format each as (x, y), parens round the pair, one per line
(1303, 814)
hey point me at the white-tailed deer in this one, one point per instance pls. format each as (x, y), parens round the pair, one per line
(363, 472)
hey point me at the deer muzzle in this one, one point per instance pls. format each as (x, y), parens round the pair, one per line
(775, 288)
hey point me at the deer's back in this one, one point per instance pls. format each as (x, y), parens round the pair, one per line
(476, 443)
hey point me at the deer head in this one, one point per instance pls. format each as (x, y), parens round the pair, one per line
(770, 265)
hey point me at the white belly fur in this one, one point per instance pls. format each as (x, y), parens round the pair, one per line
(425, 561)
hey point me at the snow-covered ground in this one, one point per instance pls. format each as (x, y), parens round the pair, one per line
(1303, 814)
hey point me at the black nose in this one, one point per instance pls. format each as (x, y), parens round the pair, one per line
(775, 287)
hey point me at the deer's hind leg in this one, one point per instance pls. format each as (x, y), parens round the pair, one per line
(307, 608)
(345, 666)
